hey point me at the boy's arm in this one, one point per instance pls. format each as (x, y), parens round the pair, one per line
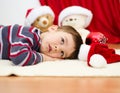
(48, 58)
(23, 55)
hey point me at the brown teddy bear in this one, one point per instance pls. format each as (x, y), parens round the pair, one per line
(41, 17)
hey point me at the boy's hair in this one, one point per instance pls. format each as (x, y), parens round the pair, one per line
(77, 40)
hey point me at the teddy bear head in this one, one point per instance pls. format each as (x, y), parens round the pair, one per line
(43, 22)
(77, 17)
(74, 20)
(41, 17)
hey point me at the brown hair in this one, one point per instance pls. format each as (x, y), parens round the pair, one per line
(77, 40)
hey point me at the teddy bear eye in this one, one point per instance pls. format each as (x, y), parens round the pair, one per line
(47, 17)
(38, 19)
(70, 19)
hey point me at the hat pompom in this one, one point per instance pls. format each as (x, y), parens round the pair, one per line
(33, 13)
(97, 61)
(75, 10)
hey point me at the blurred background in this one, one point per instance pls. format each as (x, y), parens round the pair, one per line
(13, 11)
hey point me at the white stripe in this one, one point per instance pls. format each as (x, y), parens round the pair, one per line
(20, 43)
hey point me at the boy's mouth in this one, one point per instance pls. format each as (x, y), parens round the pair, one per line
(49, 48)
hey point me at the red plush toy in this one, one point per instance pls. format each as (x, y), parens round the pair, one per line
(95, 37)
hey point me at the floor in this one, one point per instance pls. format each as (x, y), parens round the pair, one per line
(116, 46)
(59, 84)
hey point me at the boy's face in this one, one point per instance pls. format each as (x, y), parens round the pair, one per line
(57, 44)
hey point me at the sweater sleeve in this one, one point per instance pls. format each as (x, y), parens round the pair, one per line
(24, 46)
(23, 55)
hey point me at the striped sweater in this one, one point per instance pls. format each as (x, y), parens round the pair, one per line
(20, 44)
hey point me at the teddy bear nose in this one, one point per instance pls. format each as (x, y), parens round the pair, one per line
(44, 22)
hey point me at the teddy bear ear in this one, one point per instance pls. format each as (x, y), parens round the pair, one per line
(75, 10)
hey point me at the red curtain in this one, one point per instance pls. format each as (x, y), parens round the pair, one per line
(106, 15)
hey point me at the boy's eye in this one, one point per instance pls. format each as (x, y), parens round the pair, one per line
(62, 53)
(62, 40)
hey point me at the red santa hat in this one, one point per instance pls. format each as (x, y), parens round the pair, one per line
(33, 13)
(75, 10)
(103, 50)
(98, 55)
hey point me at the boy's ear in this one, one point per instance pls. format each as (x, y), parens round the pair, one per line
(52, 28)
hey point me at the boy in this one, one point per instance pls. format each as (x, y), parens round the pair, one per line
(27, 46)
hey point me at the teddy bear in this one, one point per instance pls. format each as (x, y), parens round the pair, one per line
(77, 17)
(41, 17)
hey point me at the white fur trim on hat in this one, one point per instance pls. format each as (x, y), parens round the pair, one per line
(36, 12)
(83, 52)
(75, 10)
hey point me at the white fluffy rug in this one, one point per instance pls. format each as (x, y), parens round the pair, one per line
(59, 68)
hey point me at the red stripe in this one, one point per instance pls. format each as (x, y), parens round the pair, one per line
(8, 37)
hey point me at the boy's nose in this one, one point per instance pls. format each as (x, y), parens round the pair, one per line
(56, 48)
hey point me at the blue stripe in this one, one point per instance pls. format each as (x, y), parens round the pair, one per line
(5, 43)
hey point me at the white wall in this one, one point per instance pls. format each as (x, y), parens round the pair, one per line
(13, 11)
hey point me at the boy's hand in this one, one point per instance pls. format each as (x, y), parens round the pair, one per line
(48, 58)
